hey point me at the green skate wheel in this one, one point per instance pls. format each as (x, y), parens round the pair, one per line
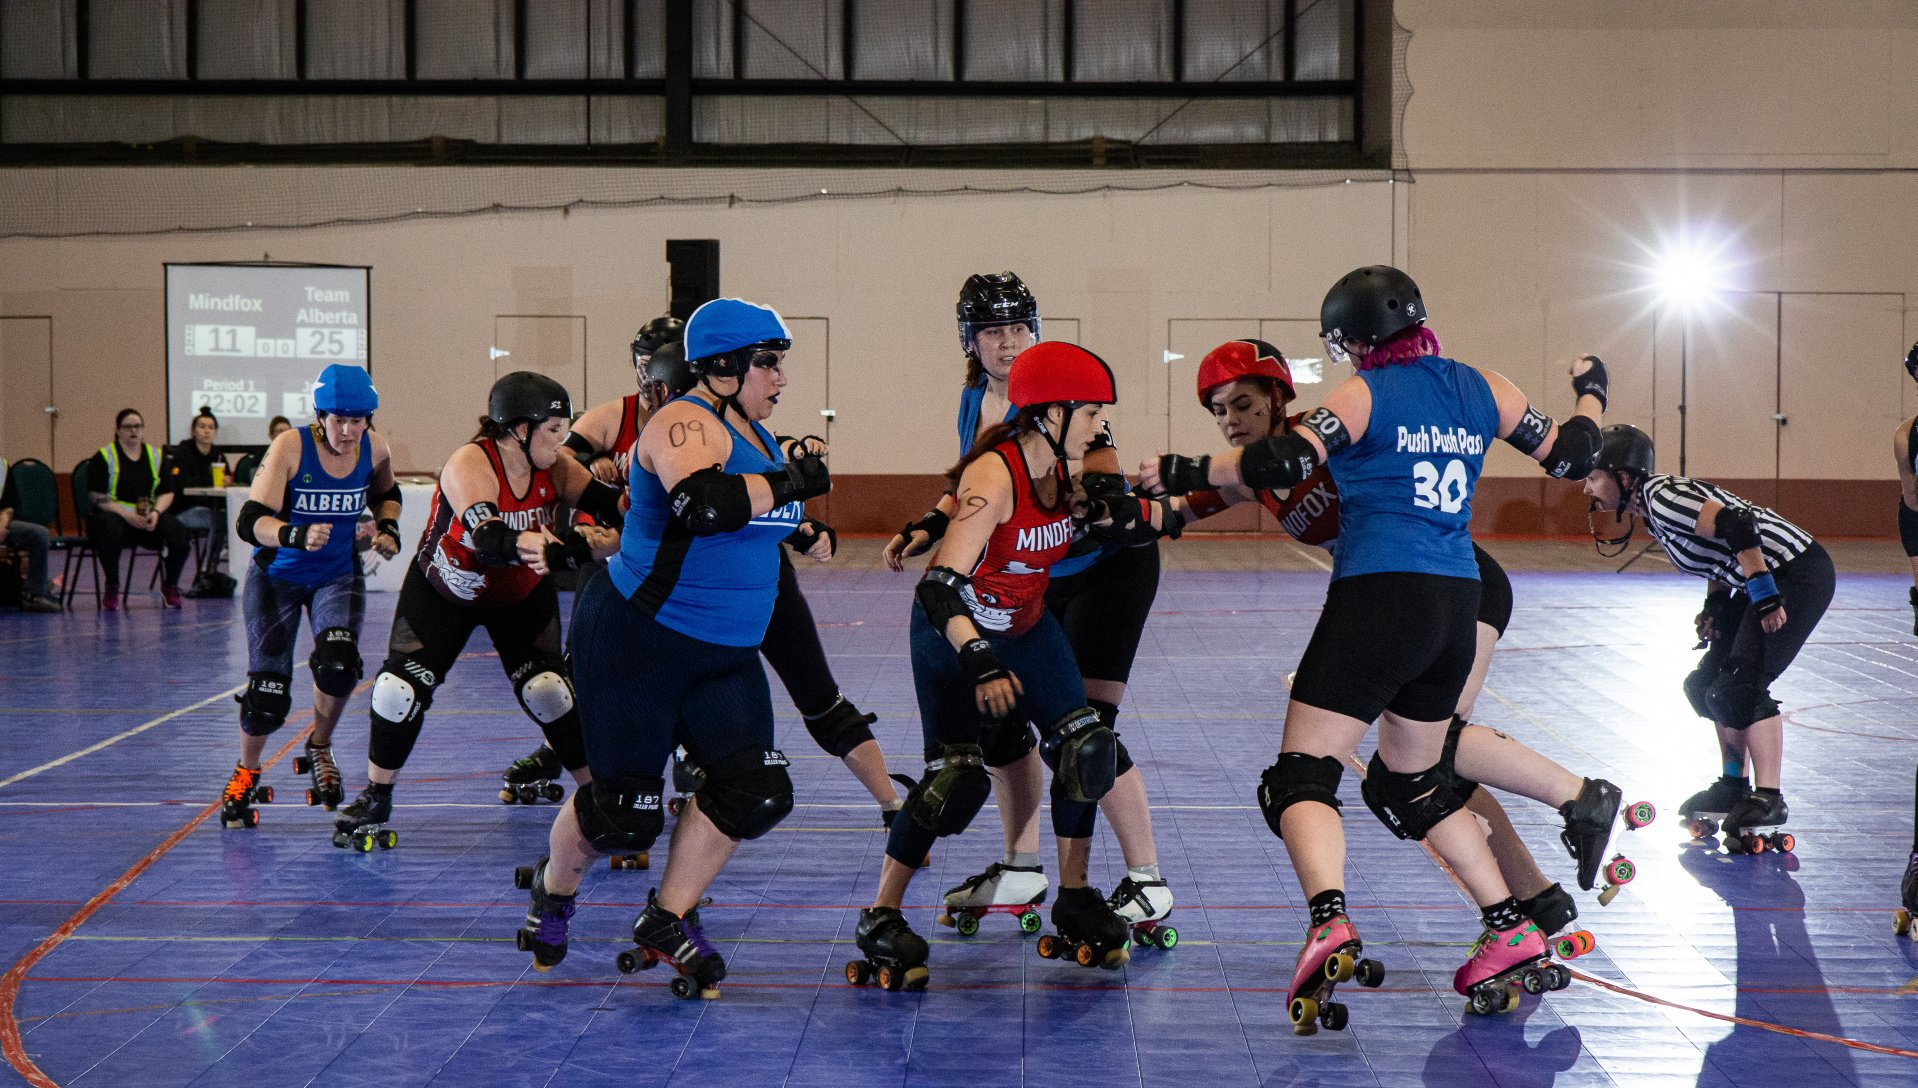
(1640, 815)
(966, 924)
(389, 839)
(363, 843)
(1029, 922)
(1168, 938)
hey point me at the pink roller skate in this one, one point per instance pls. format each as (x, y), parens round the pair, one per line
(1503, 961)
(1330, 956)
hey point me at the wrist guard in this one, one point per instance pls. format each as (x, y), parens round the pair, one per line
(977, 658)
(1593, 382)
(801, 478)
(293, 536)
(1183, 475)
(932, 523)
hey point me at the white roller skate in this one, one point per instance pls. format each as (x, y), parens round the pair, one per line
(1001, 889)
(1143, 902)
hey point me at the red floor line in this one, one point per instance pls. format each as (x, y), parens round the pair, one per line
(11, 1044)
(1855, 1044)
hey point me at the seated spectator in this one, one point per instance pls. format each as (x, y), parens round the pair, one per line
(274, 426)
(26, 537)
(124, 478)
(189, 465)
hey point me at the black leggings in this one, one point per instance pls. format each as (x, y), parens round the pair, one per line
(109, 533)
(792, 647)
(1806, 584)
(1103, 609)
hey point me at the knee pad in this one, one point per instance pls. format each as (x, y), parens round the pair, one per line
(1109, 714)
(1005, 740)
(1412, 804)
(1123, 762)
(1697, 683)
(544, 691)
(265, 703)
(402, 691)
(623, 815)
(952, 791)
(1738, 700)
(747, 793)
(336, 662)
(841, 728)
(1083, 754)
(1298, 777)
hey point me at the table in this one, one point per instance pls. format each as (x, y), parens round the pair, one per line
(382, 575)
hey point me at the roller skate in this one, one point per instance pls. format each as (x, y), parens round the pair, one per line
(317, 763)
(1001, 889)
(1501, 963)
(1142, 903)
(243, 791)
(533, 778)
(664, 937)
(1703, 810)
(1090, 933)
(895, 955)
(1753, 825)
(1908, 893)
(687, 778)
(362, 824)
(1330, 956)
(1553, 912)
(544, 934)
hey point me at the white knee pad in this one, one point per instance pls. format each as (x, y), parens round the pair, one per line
(394, 698)
(546, 696)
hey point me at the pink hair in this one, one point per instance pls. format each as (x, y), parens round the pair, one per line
(1404, 346)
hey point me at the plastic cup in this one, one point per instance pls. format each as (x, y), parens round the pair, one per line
(219, 474)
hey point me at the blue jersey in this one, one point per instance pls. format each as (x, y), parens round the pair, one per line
(717, 588)
(1085, 550)
(314, 497)
(1405, 489)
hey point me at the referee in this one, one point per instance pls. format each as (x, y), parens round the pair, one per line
(1770, 585)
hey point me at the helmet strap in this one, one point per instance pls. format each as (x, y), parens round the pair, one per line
(1617, 544)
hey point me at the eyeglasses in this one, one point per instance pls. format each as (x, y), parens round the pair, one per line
(133, 426)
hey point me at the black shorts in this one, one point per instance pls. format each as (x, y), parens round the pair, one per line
(1393, 641)
(1806, 583)
(1103, 609)
(430, 631)
(1494, 592)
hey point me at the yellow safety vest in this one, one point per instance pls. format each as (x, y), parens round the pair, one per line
(111, 453)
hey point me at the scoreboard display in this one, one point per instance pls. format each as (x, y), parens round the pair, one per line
(247, 341)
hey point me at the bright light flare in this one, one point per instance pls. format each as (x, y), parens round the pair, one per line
(1688, 276)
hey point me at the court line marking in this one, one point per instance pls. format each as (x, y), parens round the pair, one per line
(113, 740)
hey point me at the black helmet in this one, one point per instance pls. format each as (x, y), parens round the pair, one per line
(990, 299)
(661, 330)
(526, 395)
(1627, 449)
(1369, 305)
(668, 367)
(1911, 362)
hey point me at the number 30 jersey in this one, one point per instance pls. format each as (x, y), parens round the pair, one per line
(1405, 489)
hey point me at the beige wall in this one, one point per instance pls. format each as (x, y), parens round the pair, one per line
(1550, 146)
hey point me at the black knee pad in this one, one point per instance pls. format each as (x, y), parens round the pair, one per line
(747, 793)
(401, 693)
(1083, 754)
(1298, 777)
(1412, 804)
(841, 729)
(1738, 699)
(1109, 714)
(265, 703)
(1697, 683)
(336, 662)
(623, 815)
(1124, 758)
(952, 791)
(1005, 741)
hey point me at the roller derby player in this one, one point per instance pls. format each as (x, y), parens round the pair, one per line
(1770, 584)
(300, 515)
(714, 494)
(1247, 386)
(988, 656)
(1101, 593)
(1905, 447)
(1404, 440)
(493, 536)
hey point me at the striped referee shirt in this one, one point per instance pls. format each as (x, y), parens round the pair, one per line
(1671, 506)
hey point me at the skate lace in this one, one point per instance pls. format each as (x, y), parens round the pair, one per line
(1126, 894)
(325, 770)
(979, 880)
(240, 786)
(550, 926)
(694, 937)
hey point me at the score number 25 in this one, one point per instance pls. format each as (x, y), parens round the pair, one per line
(318, 343)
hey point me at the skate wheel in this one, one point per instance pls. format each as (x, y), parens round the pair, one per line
(263, 795)
(389, 839)
(1334, 1016)
(1701, 829)
(554, 791)
(1339, 967)
(1901, 922)
(966, 924)
(1116, 958)
(1558, 976)
(676, 806)
(681, 986)
(302, 765)
(858, 972)
(1605, 897)
(944, 919)
(1640, 815)
(527, 795)
(1304, 1014)
(1085, 955)
(312, 798)
(363, 843)
(1786, 843)
(1048, 947)
(1141, 937)
(1167, 938)
(889, 979)
(507, 796)
(1573, 945)
(1370, 973)
(523, 879)
(1620, 870)
(1029, 922)
(916, 978)
(1535, 982)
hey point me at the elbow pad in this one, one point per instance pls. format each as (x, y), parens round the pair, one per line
(1281, 462)
(600, 501)
(1576, 452)
(252, 512)
(939, 595)
(1737, 528)
(803, 477)
(709, 501)
(495, 543)
(581, 447)
(391, 494)
(1908, 528)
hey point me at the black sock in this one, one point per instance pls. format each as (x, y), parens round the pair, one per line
(1502, 915)
(1764, 791)
(1327, 905)
(380, 789)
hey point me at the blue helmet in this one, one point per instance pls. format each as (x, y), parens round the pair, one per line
(345, 390)
(726, 325)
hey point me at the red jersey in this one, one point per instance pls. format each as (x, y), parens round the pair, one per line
(449, 562)
(1008, 589)
(622, 451)
(1309, 513)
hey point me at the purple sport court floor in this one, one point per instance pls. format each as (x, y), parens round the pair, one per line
(148, 946)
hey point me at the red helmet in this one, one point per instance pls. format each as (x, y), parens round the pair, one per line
(1054, 371)
(1237, 359)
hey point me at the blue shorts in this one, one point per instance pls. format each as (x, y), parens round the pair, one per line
(272, 610)
(1041, 659)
